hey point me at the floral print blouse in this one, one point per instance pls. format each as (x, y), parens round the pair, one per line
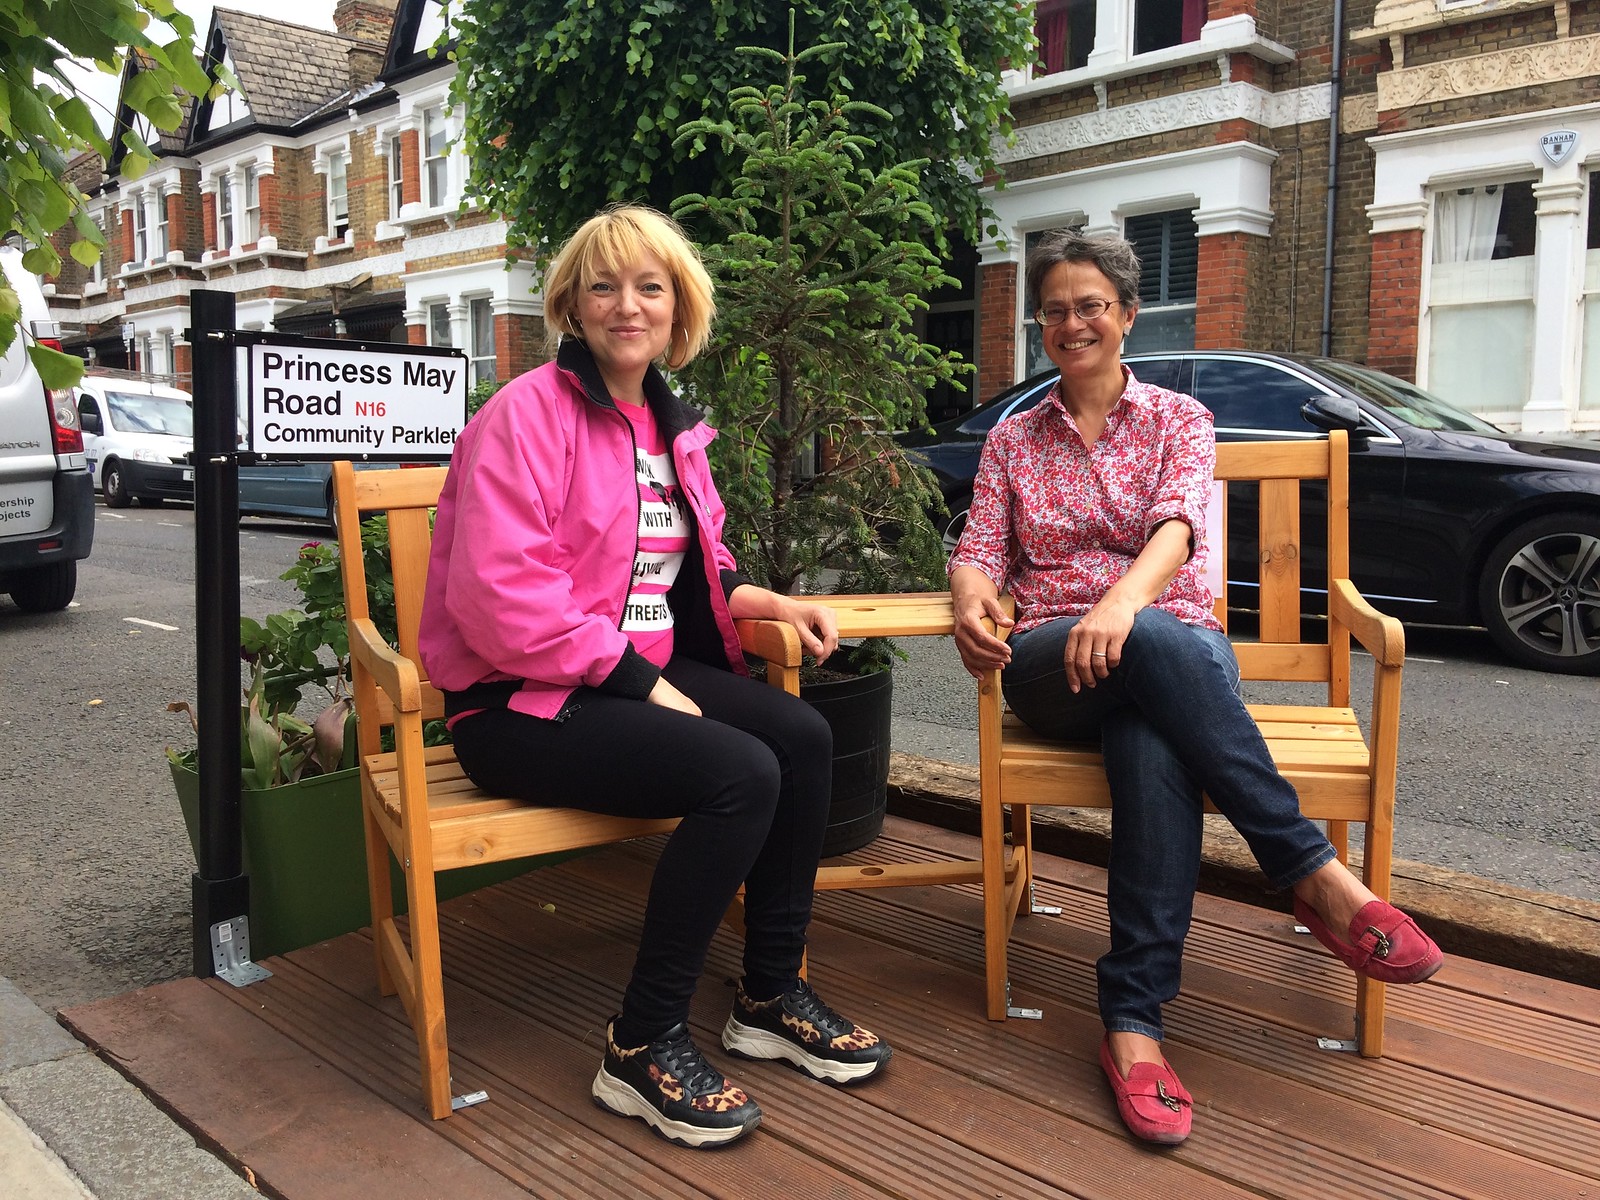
(1056, 522)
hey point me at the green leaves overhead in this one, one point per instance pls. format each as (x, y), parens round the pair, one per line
(569, 106)
(44, 122)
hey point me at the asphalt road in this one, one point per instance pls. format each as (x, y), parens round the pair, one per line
(1499, 771)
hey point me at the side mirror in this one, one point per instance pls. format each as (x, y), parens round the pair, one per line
(1336, 412)
(90, 421)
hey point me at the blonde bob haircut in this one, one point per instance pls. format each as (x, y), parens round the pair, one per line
(618, 237)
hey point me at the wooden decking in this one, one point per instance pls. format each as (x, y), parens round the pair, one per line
(308, 1081)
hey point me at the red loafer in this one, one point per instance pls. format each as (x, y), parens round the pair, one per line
(1152, 1103)
(1384, 944)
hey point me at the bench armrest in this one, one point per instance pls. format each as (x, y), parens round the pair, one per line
(392, 671)
(1382, 636)
(775, 641)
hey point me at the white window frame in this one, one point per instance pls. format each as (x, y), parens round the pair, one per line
(397, 175)
(252, 205)
(225, 213)
(436, 312)
(141, 232)
(338, 209)
(434, 120)
(162, 243)
(480, 316)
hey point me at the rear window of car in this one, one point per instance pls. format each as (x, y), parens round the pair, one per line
(132, 413)
(1253, 395)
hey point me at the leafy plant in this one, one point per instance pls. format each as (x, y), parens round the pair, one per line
(288, 651)
(821, 258)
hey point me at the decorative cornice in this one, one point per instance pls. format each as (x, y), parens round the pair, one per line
(1497, 71)
(1187, 110)
(1398, 218)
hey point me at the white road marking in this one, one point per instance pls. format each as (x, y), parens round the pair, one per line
(152, 624)
(173, 524)
(250, 581)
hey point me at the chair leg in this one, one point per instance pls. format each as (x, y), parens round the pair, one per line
(996, 925)
(427, 1013)
(1369, 1017)
(1339, 835)
(380, 895)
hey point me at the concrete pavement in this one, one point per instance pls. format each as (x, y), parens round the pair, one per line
(72, 1128)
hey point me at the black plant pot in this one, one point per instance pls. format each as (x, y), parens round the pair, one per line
(857, 709)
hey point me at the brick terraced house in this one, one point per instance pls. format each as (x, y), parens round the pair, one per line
(1401, 182)
(325, 193)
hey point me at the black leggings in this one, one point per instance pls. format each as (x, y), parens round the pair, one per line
(751, 780)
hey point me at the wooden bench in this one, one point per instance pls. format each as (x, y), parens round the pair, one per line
(1340, 774)
(418, 805)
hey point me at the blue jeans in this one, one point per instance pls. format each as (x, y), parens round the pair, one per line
(1171, 726)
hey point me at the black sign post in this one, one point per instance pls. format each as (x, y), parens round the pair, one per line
(221, 890)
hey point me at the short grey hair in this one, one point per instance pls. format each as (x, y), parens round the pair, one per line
(1113, 256)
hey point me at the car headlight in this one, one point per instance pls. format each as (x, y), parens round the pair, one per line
(150, 456)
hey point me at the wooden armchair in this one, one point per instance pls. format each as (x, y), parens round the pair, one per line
(1340, 775)
(419, 806)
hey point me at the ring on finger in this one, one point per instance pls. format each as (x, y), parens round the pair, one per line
(1097, 654)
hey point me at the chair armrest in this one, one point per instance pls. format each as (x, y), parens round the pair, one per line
(775, 641)
(392, 671)
(1383, 636)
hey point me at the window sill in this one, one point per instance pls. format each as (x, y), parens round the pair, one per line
(1231, 35)
(260, 251)
(325, 245)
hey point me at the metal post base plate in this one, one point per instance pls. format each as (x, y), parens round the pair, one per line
(230, 953)
(1343, 1045)
(457, 1103)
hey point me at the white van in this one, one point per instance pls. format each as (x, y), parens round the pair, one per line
(138, 437)
(46, 496)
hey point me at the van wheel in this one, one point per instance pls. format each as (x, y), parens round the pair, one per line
(46, 589)
(114, 485)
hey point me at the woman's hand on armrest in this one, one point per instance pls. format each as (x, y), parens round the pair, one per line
(817, 624)
(974, 598)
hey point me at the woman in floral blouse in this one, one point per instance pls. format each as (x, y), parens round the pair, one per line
(1090, 510)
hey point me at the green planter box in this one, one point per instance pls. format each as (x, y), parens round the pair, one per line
(306, 857)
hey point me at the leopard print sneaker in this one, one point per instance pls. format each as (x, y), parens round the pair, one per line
(797, 1027)
(670, 1086)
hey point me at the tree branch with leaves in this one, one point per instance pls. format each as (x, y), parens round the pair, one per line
(569, 107)
(44, 122)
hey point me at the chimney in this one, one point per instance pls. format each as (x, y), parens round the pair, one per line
(364, 61)
(365, 20)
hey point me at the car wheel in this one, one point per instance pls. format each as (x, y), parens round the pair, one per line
(114, 485)
(46, 589)
(1540, 594)
(956, 523)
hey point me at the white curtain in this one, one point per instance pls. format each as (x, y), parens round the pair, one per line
(1466, 222)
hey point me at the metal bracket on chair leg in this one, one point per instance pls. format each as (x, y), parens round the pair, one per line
(1012, 1010)
(1343, 1045)
(1041, 910)
(457, 1103)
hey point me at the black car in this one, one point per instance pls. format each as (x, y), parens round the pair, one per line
(1452, 521)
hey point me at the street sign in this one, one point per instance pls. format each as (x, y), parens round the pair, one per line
(316, 398)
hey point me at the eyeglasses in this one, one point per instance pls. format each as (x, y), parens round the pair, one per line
(1087, 311)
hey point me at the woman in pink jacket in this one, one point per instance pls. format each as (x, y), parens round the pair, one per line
(579, 618)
